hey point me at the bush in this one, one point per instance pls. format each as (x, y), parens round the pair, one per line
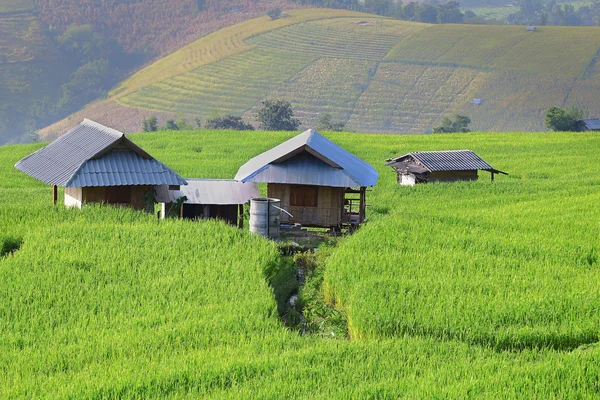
(460, 124)
(564, 120)
(228, 122)
(150, 124)
(277, 115)
(324, 123)
(274, 14)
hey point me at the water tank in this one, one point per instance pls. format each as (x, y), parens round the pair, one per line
(265, 217)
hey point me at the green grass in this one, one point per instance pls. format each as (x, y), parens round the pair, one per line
(451, 290)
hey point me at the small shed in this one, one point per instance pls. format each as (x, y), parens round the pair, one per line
(439, 166)
(316, 180)
(208, 198)
(592, 124)
(97, 164)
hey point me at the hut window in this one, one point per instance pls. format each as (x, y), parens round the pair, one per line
(304, 196)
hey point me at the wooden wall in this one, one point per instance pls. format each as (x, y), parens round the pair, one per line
(451, 176)
(327, 213)
(133, 196)
(438, 176)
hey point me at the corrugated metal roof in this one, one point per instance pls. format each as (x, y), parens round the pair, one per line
(270, 166)
(592, 124)
(210, 191)
(304, 169)
(120, 167)
(60, 161)
(450, 160)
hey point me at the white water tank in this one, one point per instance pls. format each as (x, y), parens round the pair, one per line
(265, 217)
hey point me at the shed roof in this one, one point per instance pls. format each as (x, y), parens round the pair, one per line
(308, 159)
(89, 155)
(449, 160)
(210, 191)
(593, 124)
(123, 166)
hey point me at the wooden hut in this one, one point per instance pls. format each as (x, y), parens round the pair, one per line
(208, 198)
(316, 180)
(439, 166)
(97, 164)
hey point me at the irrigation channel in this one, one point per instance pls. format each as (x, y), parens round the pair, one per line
(298, 286)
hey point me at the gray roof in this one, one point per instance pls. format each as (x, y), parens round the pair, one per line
(449, 160)
(592, 124)
(308, 159)
(210, 191)
(86, 156)
(121, 167)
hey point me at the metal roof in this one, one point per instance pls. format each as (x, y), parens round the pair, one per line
(210, 191)
(330, 165)
(449, 160)
(121, 167)
(592, 124)
(60, 161)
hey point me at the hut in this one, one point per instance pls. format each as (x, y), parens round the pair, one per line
(439, 166)
(97, 164)
(592, 124)
(208, 198)
(316, 180)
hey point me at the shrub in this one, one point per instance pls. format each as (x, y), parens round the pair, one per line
(228, 122)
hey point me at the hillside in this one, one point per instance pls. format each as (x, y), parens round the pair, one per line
(58, 55)
(461, 290)
(375, 74)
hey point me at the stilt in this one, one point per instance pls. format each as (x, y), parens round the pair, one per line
(241, 216)
(54, 194)
(363, 205)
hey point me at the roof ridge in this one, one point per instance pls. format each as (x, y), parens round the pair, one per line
(102, 128)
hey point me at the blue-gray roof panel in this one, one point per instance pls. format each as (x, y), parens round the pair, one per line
(449, 160)
(57, 162)
(122, 167)
(359, 172)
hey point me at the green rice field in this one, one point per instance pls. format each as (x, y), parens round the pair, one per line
(451, 290)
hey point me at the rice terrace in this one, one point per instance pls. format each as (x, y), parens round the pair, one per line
(374, 73)
(459, 264)
(470, 289)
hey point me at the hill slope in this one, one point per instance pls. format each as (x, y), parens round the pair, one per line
(376, 74)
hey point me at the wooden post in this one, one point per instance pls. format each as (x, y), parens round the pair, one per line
(54, 194)
(363, 204)
(492, 177)
(241, 216)
(181, 211)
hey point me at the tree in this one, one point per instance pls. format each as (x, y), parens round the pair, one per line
(559, 119)
(460, 124)
(274, 14)
(324, 123)
(170, 125)
(449, 13)
(198, 122)
(228, 122)
(150, 124)
(277, 115)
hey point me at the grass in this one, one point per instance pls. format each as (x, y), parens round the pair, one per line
(375, 74)
(473, 290)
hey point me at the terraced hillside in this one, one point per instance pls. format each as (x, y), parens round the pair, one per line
(375, 74)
